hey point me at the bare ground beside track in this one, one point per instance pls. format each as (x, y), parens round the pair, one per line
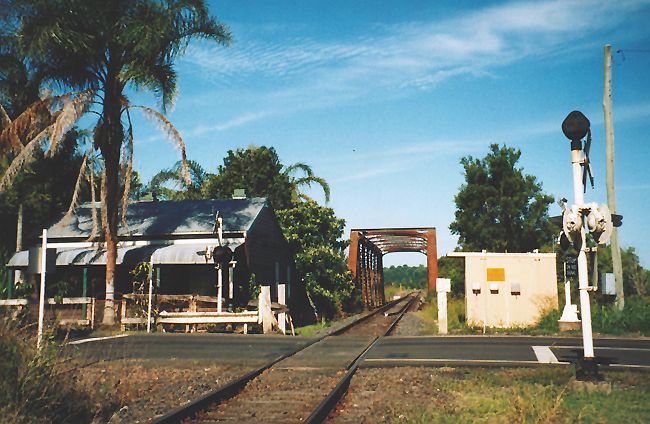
(143, 389)
(388, 395)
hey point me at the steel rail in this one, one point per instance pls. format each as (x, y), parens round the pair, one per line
(328, 404)
(231, 389)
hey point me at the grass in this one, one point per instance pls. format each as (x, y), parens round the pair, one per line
(634, 320)
(541, 395)
(312, 329)
(391, 290)
(40, 386)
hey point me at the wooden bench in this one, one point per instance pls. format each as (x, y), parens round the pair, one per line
(179, 303)
(87, 319)
(191, 318)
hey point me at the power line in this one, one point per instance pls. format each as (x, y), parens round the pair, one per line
(623, 51)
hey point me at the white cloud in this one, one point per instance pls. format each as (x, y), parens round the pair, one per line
(398, 159)
(287, 73)
(226, 125)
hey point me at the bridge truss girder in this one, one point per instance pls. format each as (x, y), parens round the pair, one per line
(368, 247)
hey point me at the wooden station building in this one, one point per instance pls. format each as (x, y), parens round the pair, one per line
(174, 237)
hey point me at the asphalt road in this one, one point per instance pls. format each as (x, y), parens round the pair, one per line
(505, 351)
(256, 349)
(250, 349)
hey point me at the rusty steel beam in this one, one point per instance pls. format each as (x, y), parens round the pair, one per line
(432, 260)
(380, 287)
(395, 231)
(362, 268)
(353, 254)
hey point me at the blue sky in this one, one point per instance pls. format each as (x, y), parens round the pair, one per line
(382, 98)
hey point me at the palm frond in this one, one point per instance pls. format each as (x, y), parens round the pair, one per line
(308, 181)
(102, 199)
(36, 117)
(128, 171)
(24, 158)
(5, 121)
(172, 134)
(93, 206)
(305, 198)
(199, 174)
(299, 166)
(77, 186)
(157, 77)
(70, 113)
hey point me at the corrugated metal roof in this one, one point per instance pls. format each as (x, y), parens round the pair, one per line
(168, 218)
(90, 256)
(190, 253)
(19, 259)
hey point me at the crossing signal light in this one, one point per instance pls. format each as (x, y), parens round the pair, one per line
(599, 222)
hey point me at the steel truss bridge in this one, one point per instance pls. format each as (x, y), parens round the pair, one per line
(368, 247)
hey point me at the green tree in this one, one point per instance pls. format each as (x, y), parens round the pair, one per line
(454, 269)
(258, 171)
(411, 277)
(499, 208)
(20, 83)
(170, 184)
(106, 47)
(314, 235)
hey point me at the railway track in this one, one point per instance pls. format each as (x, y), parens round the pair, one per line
(301, 386)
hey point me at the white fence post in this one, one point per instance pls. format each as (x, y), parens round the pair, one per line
(282, 300)
(150, 297)
(41, 299)
(443, 286)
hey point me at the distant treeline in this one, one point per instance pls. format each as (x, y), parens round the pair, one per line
(411, 277)
(415, 277)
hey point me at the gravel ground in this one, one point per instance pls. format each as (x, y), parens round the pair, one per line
(386, 395)
(144, 389)
(284, 396)
(412, 324)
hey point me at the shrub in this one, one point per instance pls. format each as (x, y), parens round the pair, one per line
(38, 386)
(548, 322)
(634, 318)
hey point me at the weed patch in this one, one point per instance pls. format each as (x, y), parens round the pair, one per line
(41, 386)
(534, 396)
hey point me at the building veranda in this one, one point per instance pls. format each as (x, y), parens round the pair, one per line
(173, 245)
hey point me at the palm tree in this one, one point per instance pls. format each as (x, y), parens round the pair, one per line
(306, 180)
(103, 48)
(159, 186)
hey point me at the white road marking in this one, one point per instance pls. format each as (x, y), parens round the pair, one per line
(629, 366)
(544, 355)
(643, 349)
(95, 339)
(469, 361)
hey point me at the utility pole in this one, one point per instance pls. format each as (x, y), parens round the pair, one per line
(609, 161)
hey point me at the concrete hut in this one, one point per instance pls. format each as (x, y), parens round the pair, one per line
(508, 289)
(174, 236)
